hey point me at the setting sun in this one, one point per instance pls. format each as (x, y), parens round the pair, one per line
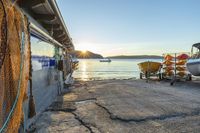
(83, 51)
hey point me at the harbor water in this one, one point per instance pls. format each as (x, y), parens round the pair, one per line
(93, 69)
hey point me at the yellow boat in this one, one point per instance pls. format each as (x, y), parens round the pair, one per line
(149, 67)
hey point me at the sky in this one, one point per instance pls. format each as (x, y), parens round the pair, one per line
(132, 27)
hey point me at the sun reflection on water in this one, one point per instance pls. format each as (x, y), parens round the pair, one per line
(84, 75)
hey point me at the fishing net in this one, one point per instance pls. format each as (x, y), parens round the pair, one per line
(3, 48)
(14, 65)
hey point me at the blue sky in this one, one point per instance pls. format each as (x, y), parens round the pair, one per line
(132, 27)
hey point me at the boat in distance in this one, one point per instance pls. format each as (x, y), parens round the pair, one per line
(105, 60)
(193, 64)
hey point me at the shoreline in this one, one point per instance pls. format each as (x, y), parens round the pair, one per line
(133, 78)
(102, 79)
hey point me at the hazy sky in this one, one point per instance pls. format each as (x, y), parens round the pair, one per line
(128, 27)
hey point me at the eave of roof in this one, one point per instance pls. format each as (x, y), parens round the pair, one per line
(47, 14)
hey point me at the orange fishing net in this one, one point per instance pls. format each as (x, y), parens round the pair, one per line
(13, 65)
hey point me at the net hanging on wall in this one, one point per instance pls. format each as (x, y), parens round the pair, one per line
(14, 65)
(3, 34)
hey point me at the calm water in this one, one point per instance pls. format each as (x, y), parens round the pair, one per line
(118, 69)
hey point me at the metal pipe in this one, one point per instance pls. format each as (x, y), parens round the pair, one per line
(44, 36)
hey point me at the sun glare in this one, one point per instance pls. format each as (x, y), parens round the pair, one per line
(84, 51)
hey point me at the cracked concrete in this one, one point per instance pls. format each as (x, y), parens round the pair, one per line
(124, 106)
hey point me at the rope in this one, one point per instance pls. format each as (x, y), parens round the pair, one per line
(4, 46)
(19, 85)
(14, 2)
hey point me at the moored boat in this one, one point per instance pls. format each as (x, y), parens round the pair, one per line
(193, 64)
(105, 60)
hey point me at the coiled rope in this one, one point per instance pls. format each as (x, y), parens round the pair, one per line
(3, 128)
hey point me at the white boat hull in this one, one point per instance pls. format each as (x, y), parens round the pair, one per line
(105, 60)
(193, 66)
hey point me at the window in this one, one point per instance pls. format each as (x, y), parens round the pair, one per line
(43, 54)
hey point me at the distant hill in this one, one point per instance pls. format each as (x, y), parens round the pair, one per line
(136, 57)
(86, 55)
(90, 55)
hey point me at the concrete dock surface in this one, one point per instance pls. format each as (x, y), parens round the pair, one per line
(124, 106)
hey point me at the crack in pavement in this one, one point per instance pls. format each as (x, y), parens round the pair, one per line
(72, 111)
(161, 117)
(82, 122)
(87, 125)
(84, 100)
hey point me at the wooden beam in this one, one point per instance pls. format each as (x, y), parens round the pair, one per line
(58, 33)
(47, 17)
(62, 37)
(57, 36)
(54, 29)
(31, 3)
(49, 26)
(62, 40)
(67, 42)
